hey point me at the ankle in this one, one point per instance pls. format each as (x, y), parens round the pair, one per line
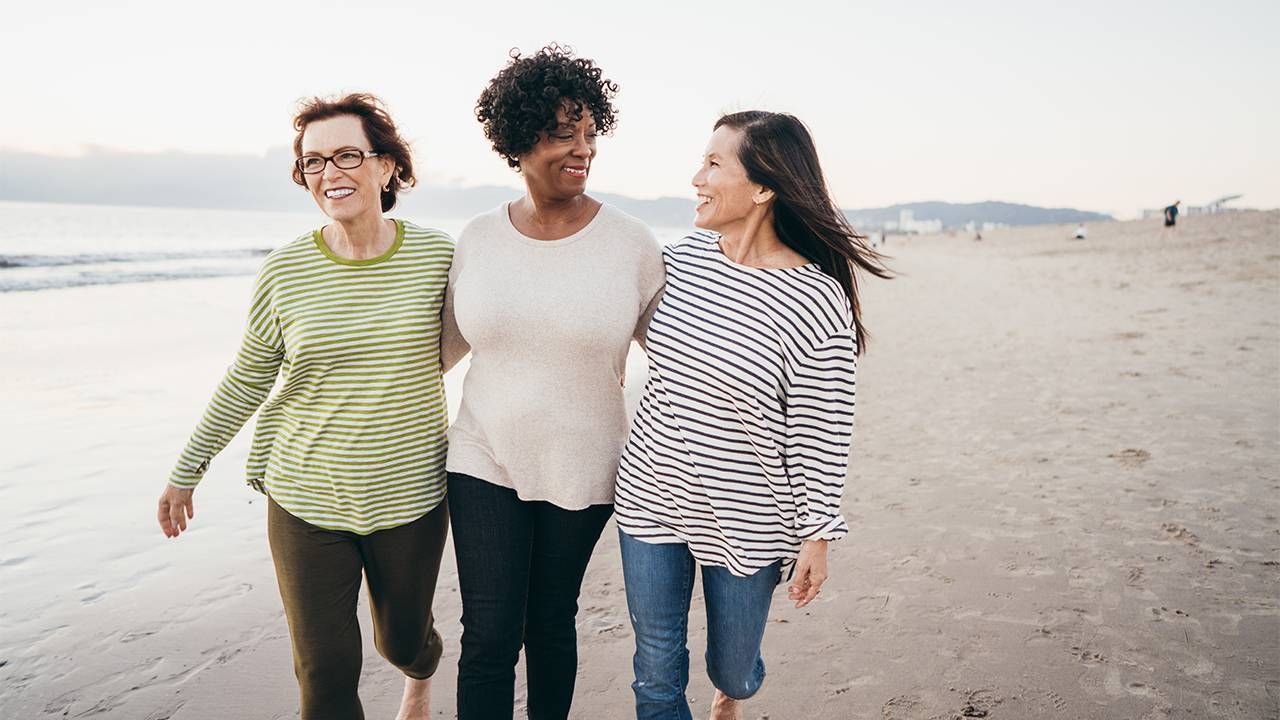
(415, 704)
(724, 707)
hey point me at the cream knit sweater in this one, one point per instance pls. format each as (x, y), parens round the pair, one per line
(549, 324)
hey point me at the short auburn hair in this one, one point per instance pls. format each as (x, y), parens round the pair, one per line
(384, 137)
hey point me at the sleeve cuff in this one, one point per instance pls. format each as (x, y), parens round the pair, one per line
(188, 477)
(816, 528)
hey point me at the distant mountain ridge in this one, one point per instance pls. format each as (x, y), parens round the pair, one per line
(245, 182)
(956, 215)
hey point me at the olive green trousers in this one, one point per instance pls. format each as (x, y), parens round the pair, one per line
(319, 572)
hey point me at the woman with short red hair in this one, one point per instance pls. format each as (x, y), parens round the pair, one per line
(350, 450)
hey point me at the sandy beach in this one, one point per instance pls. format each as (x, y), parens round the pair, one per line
(1063, 501)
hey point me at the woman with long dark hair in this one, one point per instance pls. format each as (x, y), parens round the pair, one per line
(738, 454)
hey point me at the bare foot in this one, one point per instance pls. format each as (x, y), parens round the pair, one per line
(416, 702)
(724, 707)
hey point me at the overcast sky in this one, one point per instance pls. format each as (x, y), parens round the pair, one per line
(1109, 106)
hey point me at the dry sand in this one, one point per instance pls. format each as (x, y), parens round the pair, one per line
(1063, 501)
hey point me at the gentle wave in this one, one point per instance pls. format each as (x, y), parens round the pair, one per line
(32, 271)
(83, 279)
(35, 261)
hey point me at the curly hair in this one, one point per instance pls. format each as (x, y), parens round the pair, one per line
(521, 101)
(384, 137)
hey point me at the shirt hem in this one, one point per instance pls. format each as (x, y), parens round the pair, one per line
(490, 472)
(377, 527)
(787, 563)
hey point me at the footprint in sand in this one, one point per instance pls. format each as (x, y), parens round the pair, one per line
(1033, 703)
(1177, 532)
(220, 594)
(1086, 656)
(979, 703)
(166, 712)
(143, 632)
(598, 620)
(1039, 635)
(904, 707)
(1162, 612)
(1131, 457)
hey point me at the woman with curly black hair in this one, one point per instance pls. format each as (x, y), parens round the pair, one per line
(546, 292)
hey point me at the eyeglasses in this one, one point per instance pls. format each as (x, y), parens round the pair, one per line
(345, 159)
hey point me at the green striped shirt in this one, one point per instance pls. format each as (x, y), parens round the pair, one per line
(354, 438)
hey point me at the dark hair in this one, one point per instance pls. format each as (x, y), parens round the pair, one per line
(384, 137)
(521, 100)
(778, 153)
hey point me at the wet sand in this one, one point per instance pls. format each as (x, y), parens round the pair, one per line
(1063, 501)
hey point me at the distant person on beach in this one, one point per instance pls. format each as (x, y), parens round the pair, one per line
(1081, 232)
(1171, 214)
(736, 461)
(547, 292)
(350, 451)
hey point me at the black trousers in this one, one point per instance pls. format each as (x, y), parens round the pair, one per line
(319, 572)
(520, 569)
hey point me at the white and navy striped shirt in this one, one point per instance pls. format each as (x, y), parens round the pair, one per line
(741, 443)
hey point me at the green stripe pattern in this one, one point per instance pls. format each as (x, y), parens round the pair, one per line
(354, 436)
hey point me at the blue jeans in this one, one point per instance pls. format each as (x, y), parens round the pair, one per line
(659, 580)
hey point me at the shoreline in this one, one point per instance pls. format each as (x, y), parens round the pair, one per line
(1062, 500)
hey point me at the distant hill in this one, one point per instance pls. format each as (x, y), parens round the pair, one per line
(247, 182)
(955, 215)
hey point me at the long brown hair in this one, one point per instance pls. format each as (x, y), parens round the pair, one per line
(778, 153)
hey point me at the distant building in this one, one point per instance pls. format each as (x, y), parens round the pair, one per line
(984, 226)
(907, 223)
(1213, 208)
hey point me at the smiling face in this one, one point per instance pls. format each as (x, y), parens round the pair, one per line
(345, 194)
(560, 161)
(726, 196)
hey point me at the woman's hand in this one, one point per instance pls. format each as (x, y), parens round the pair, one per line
(811, 572)
(175, 507)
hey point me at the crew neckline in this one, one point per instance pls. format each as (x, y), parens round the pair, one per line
(567, 239)
(318, 237)
(719, 252)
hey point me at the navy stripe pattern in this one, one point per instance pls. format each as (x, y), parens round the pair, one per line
(740, 446)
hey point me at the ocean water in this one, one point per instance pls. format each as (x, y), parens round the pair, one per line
(51, 246)
(101, 385)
